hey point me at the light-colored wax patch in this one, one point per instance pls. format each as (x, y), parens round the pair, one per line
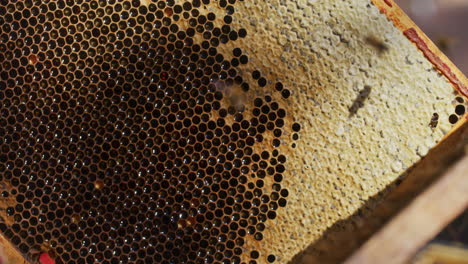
(329, 54)
(145, 2)
(326, 53)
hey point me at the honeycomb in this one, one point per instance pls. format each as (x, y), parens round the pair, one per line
(210, 131)
(459, 111)
(127, 136)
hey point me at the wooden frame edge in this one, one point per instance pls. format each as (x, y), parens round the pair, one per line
(441, 62)
(399, 240)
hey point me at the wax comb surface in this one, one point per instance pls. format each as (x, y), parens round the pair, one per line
(203, 131)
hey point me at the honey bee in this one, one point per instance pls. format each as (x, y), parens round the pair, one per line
(359, 101)
(434, 120)
(376, 43)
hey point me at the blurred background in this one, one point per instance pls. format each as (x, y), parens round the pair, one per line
(446, 23)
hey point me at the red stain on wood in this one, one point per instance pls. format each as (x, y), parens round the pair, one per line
(412, 35)
(44, 258)
(388, 3)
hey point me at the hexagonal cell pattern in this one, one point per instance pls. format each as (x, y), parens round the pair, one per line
(121, 139)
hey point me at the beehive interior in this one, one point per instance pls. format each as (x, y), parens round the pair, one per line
(176, 132)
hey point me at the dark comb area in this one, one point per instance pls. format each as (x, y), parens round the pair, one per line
(121, 138)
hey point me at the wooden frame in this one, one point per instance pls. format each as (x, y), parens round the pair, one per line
(429, 213)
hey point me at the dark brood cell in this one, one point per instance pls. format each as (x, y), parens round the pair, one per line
(114, 140)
